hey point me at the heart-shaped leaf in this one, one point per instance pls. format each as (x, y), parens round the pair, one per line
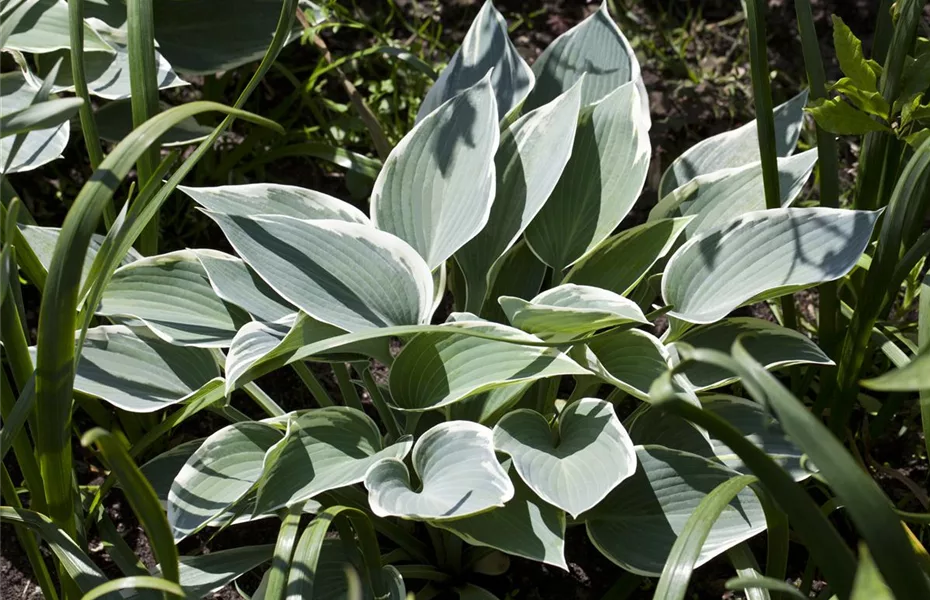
(770, 345)
(761, 255)
(621, 261)
(218, 474)
(459, 473)
(438, 368)
(718, 197)
(345, 274)
(600, 183)
(525, 526)
(328, 448)
(133, 370)
(529, 161)
(637, 524)
(630, 360)
(594, 49)
(172, 295)
(592, 455)
(236, 283)
(486, 46)
(652, 426)
(273, 199)
(436, 187)
(571, 309)
(735, 148)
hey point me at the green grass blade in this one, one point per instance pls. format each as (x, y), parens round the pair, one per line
(43, 115)
(57, 316)
(778, 536)
(144, 582)
(283, 551)
(828, 163)
(88, 122)
(822, 540)
(307, 554)
(673, 583)
(866, 504)
(27, 541)
(923, 342)
(75, 563)
(143, 82)
(142, 499)
(15, 418)
(746, 566)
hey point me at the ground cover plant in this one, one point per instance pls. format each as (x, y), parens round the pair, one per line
(514, 364)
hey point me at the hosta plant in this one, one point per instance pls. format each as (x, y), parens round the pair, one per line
(513, 358)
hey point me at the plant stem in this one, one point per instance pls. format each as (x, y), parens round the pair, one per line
(143, 83)
(264, 401)
(384, 411)
(86, 111)
(313, 384)
(347, 386)
(765, 124)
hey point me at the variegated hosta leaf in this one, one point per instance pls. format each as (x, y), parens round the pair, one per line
(525, 526)
(227, 465)
(172, 295)
(621, 261)
(42, 26)
(595, 49)
(206, 573)
(630, 360)
(653, 426)
(637, 524)
(769, 344)
(721, 196)
(600, 183)
(762, 255)
(488, 407)
(106, 73)
(335, 576)
(486, 46)
(133, 370)
(459, 473)
(591, 456)
(253, 199)
(570, 310)
(517, 273)
(438, 368)
(529, 161)
(42, 242)
(162, 470)
(236, 283)
(436, 187)
(345, 274)
(735, 148)
(327, 448)
(24, 152)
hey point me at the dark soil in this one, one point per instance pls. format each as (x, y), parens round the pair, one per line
(704, 91)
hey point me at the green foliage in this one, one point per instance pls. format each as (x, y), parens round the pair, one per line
(503, 199)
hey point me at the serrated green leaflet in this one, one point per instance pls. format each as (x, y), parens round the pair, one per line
(327, 448)
(436, 187)
(345, 274)
(591, 455)
(735, 148)
(773, 251)
(442, 367)
(529, 161)
(593, 195)
(172, 295)
(273, 199)
(594, 49)
(638, 523)
(460, 476)
(569, 310)
(486, 46)
(771, 345)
